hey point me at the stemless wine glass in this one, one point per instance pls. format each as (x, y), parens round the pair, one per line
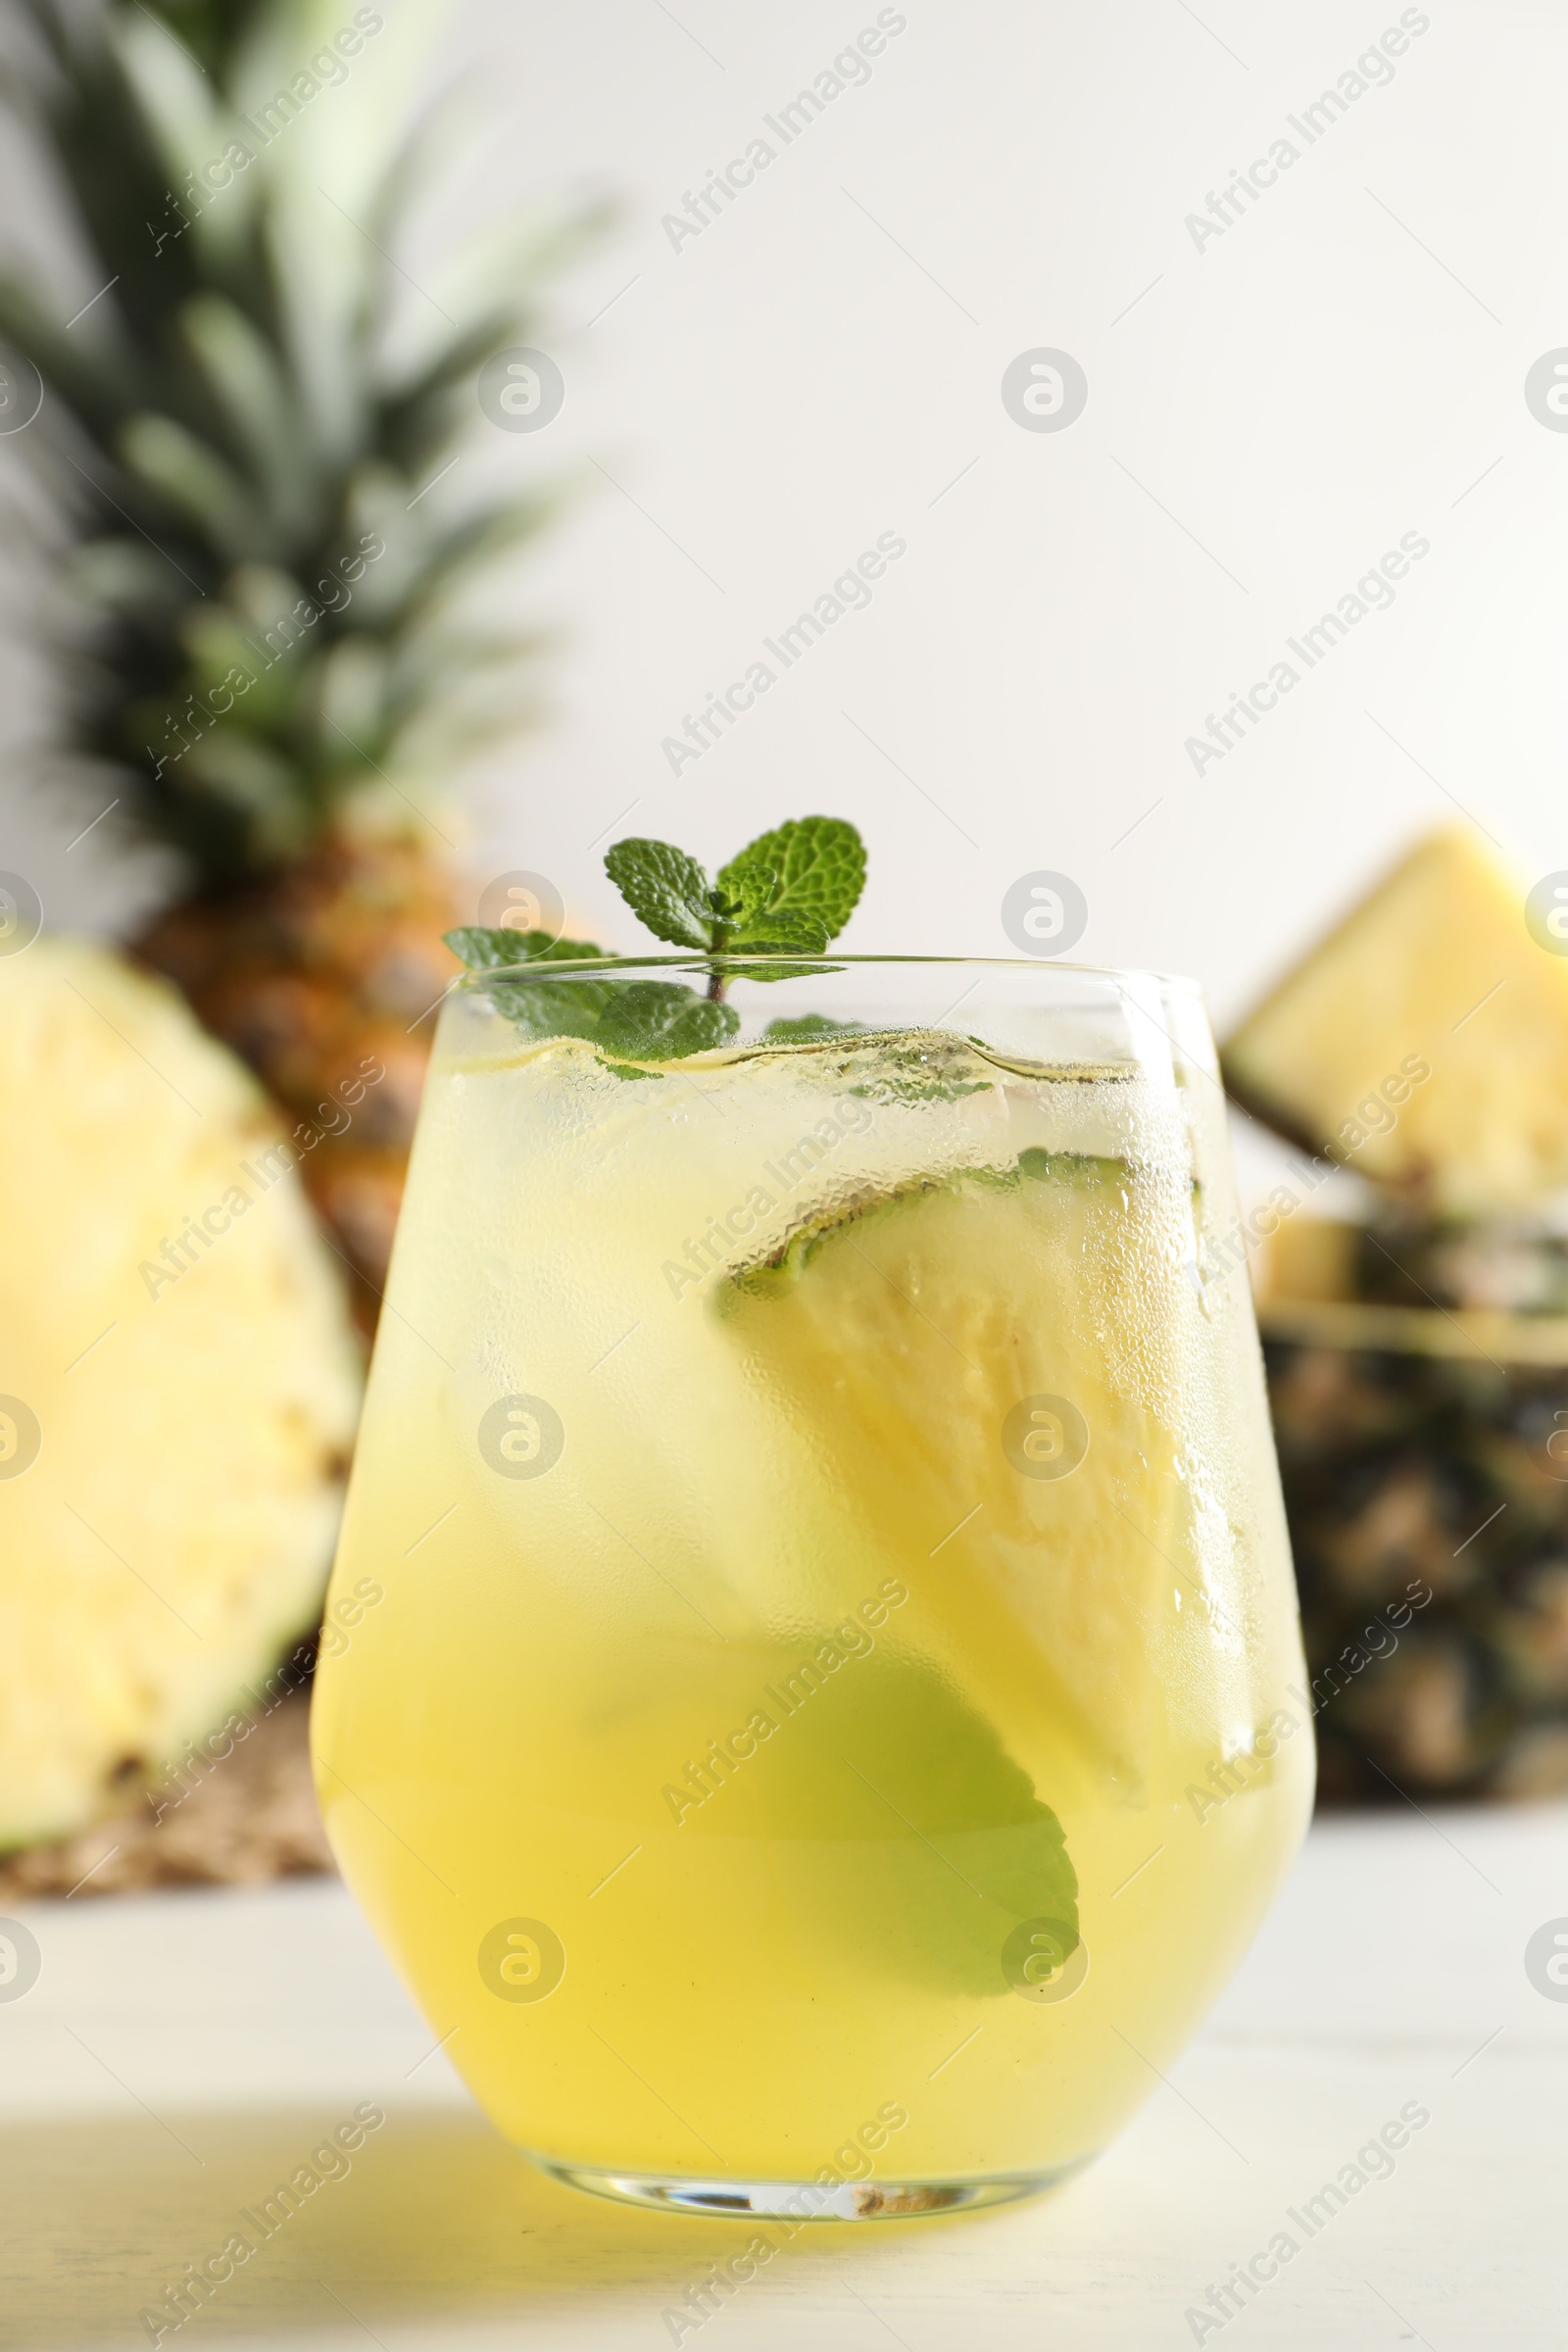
(806, 1695)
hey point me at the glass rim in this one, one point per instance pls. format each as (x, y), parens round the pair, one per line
(697, 960)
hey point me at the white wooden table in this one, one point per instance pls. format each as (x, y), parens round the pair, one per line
(181, 2054)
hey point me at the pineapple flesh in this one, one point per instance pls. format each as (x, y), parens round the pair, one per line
(179, 1388)
(1437, 967)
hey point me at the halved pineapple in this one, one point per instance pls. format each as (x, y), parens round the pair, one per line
(1425, 1041)
(179, 1385)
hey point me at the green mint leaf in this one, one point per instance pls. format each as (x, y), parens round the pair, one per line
(782, 931)
(666, 891)
(928, 1843)
(623, 1020)
(750, 883)
(657, 1020)
(800, 1028)
(947, 1771)
(543, 1008)
(485, 950)
(746, 890)
(819, 869)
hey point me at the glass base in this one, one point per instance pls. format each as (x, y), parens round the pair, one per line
(797, 2201)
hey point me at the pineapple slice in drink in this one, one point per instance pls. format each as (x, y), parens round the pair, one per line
(1427, 1036)
(979, 1360)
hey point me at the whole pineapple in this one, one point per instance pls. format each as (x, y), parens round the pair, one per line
(1418, 1361)
(263, 550)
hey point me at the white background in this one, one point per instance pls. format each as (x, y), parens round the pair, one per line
(1343, 365)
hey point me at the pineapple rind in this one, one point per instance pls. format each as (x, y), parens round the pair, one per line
(174, 1530)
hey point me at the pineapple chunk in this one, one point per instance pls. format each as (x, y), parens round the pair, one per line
(1435, 972)
(173, 1420)
(904, 1333)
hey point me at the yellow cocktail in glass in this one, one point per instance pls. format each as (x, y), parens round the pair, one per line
(822, 1738)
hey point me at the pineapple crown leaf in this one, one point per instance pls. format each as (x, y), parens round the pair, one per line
(231, 428)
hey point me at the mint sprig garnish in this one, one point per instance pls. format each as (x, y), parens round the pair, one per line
(786, 894)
